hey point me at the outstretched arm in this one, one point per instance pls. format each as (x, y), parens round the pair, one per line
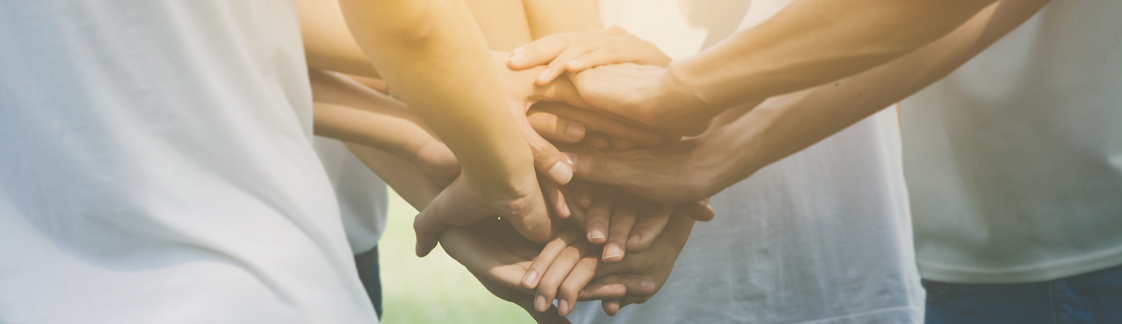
(808, 43)
(434, 58)
(787, 124)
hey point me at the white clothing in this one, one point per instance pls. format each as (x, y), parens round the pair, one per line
(822, 236)
(360, 192)
(156, 166)
(1014, 161)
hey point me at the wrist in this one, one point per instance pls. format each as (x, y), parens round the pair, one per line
(739, 150)
(677, 100)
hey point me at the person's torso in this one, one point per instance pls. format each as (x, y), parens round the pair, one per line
(362, 195)
(156, 166)
(822, 236)
(1014, 161)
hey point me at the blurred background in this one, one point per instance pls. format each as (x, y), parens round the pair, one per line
(433, 289)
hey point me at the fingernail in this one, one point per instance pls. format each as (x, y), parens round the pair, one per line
(564, 209)
(563, 307)
(544, 77)
(519, 51)
(540, 304)
(570, 157)
(596, 232)
(561, 172)
(612, 251)
(517, 58)
(584, 203)
(574, 64)
(574, 131)
(530, 279)
(633, 240)
(618, 286)
(646, 284)
(581, 294)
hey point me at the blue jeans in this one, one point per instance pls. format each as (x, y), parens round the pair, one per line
(1094, 297)
(367, 263)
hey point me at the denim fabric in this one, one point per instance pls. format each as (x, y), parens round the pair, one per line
(1091, 298)
(367, 263)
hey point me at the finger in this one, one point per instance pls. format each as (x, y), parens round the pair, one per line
(582, 193)
(611, 307)
(577, 216)
(547, 256)
(541, 317)
(648, 227)
(639, 289)
(552, 278)
(597, 141)
(595, 121)
(554, 127)
(614, 171)
(540, 51)
(582, 46)
(622, 144)
(604, 288)
(699, 210)
(598, 216)
(449, 207)
(554, 197)
(574, 283)
(621, 223)
(547, 158)
(613, 54)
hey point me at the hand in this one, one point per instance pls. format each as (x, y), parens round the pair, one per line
(642, 91)
(496, 255)
(645, 93)
(575, 52)
(683, 172)
(522, 94)
(642, 274)
(463, 202)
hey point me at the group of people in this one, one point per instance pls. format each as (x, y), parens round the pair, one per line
(850, 161)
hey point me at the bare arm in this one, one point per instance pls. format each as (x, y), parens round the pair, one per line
(808, 43)
(328, 44)
(811, 42)
(793, 122)
(787, 124)
(434, 57)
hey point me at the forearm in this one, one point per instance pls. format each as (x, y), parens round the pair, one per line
(811, 42)
(435, 59)
(560, 16)
(787, 124)
(405, 178)
(348, 111)
(328, 44)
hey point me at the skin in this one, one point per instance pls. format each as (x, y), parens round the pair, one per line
(491, 250)
(344, 105)
(436, 60)
(808, 43)
(783, 125)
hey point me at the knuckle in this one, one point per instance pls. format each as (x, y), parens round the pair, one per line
(570, 253)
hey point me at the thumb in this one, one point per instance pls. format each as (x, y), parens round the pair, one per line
(547, 158)
(699, 210)
(450, 207)
(597, 168)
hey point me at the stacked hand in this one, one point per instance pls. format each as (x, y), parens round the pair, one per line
(607, 240)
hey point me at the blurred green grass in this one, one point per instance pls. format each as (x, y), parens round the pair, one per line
(433, 289)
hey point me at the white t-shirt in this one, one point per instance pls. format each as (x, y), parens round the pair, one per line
(1014, 161)
(156, 166)
(822, 236)
(360, 192)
